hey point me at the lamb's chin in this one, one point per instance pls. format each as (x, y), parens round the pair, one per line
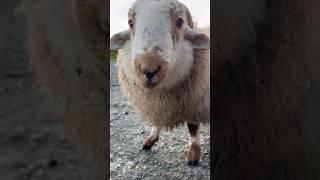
(149, 85)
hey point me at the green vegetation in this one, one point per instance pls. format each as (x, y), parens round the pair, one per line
(113, 55)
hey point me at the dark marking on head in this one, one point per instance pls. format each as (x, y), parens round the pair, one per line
(157, 49)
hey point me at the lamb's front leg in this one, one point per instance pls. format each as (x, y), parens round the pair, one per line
(152, 138)
(194, 145)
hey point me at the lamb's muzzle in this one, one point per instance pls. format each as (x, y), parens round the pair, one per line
(150, 69)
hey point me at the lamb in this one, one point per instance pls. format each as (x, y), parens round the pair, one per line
(67, 46)
(266, 90)
(164, 65)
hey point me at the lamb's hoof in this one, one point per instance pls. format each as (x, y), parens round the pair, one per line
(148, 143)
(193, 155)
(193, 162)
(146, 148)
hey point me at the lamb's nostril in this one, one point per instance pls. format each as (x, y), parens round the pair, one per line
(151, 73)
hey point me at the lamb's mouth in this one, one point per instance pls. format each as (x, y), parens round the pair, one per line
(150, 83)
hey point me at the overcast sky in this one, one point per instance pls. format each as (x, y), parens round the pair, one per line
(200, 10)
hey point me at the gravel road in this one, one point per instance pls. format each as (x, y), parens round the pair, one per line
(166, 160)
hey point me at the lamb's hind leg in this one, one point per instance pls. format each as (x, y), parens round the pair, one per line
(152, 138)
(194, 145)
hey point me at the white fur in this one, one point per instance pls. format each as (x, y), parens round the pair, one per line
(181, 64)
(194, 139)
(152, 28)
(155, 132)
(125, 55)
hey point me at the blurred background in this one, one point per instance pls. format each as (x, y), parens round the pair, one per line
(32, 143)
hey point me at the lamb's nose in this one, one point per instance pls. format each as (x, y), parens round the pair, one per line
(151, 73)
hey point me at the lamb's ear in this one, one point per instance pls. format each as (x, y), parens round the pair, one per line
(198, 40)
(118, 40)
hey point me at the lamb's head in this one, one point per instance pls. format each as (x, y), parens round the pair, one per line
(160, 41)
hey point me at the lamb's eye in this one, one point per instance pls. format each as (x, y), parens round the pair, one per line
(179, 23)
(130, 24)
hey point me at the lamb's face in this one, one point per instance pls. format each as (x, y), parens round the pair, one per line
(159, 31)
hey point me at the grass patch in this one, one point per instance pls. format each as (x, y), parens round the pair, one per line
(113, 55)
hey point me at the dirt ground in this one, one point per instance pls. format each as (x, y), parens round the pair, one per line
(32, 143)
(166, 160)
